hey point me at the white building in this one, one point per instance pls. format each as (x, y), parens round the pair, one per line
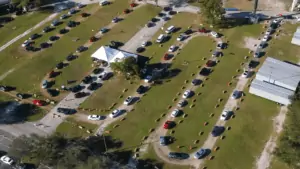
(296, 37)
(276, 80)
(110, 55)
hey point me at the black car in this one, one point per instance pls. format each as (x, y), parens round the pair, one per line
(44, 45)
(20, 95)
(115, 44)
(253, 64)
(87, 79)
(179, 156)
(71, 24)
(53, 38)
(189, 31)
(205, 71)
(66, 110)
(52, 92)
(196, 82)
(217, 130)
(71, 57)
(29, 48)
(4, 88)
(34, 36)
(81, 94)
(81, 49)
(76, 88)
(94, 86)
(140, 49)
(46, 29)
(60, 65)
(161, 14)
(105, 75)
(167, 8)
(149, 24)
(97, 70)
(63, 31)
(141, 89)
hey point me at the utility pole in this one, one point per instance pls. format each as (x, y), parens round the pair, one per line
(104, 144)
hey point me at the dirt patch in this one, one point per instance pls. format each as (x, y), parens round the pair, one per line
(251, 43)
(274, 5)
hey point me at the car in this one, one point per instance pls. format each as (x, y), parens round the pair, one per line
(161, 14)
(182, 103)
(66, 110)
(115, 113)
(140, 49)
(217, 54)
(226, 115)
(145, 43)
(115, 20)
(196, 82)
(178, 156)
(126, 11)
(148, 79)
(132, 5)
(274, 25)
(30, 48)
(201, 153)
(253, 64)
(47, 29)
(202, 30)
(141, 89)
(181, 37)
(172, 12)
(210, 63)
(38, 102)
(80, 5)
(149, 24)
(98, 70)
(52, 92)
(188, 31)
(258, 53)
(276, 21)
(103, 3)
(71, 24)
(34, 36)
(221, 45)
(72, 11)
(245, 74)
(214, 34)
(205, 71)
(105, 75)
(167, 56)
(172, 48)
(175, 113)
(169, 124)
(45, 45)
(265, 38)
(76, 88)
(95, 117)
(269, 31)
(93, 39)
(81, 49)
(262, 45)
(55, 22)
(104, 30)
(163, 140)
(71, 57)
(161, 38)
(84, 14)
(26, 43)
(64, 16)
(4, 88)
(60, 65)
(45, 84)
(187, 94)
(81, 94)
(154, 19)
(53, 38)
(63, 31)
(128, 100)
(93, 86)
(7, 160)
(166, 18)
(167, 8)
(87, 79)
(20, 95)
(217, 130)
(236, 94)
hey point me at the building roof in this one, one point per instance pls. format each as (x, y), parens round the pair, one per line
(296, 37)
(109, 55)
(279, 73)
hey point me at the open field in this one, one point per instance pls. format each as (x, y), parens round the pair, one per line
(4, 97)
(277, 164)
(70, 128)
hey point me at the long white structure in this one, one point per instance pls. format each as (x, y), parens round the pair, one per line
(276, 80)
(110, 55)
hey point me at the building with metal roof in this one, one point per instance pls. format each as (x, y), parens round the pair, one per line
(276, 80)
(296, 37)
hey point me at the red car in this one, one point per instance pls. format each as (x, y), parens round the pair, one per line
(38, 102)
(210, 63)
(93, 39)
(126, 11)
(84, 15)
(167, 56)
(202, 30)
(133, 5)
(169, 124)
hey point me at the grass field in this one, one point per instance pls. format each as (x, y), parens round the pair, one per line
(277, 164)
(37, 67)
(20, 24)
(70, 128)
(4, 97)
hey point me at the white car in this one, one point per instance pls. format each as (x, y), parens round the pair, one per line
(276, 21)
(128, 100)
(172, 48)
(145, 43)
(94, 117)
(225, 115)
(214, 34)
(187, 94)
(181, 37)
(148, 79)
(26, 43)
(268, 32)
(175, 113)
(265, 38)
(115, 113)
(245, 74)
(7, 160)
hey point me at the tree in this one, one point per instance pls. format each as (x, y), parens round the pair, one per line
(213, 12)
(128, 67)
(26, 3)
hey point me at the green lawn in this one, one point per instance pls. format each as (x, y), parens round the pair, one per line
(35, 69)
(4, 97)
(70, 128)
(277, 164)
(20, 25)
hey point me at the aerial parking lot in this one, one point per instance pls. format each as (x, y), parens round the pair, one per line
(163, 84)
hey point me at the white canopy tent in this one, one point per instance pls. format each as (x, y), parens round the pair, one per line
(110, 55)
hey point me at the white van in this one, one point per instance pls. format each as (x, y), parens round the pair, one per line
(170, 29)
(161, 38)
